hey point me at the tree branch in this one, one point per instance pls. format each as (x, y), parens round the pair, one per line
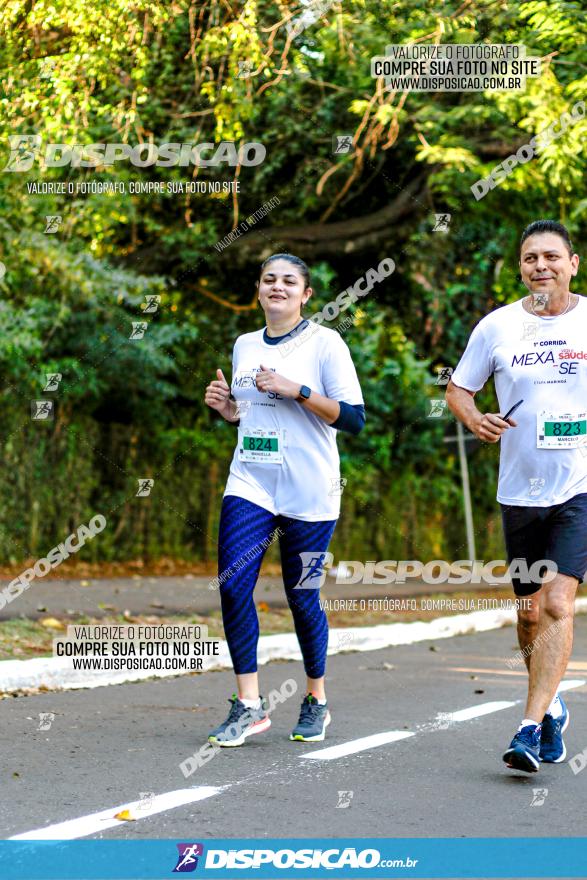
(316, 240)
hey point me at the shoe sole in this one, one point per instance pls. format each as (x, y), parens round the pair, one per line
(258, 727)
(312, 739)
(564, 752)
(518, 759)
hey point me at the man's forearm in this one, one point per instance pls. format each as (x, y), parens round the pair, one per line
(462, 405)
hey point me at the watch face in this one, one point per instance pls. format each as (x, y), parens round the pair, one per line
(305, 392)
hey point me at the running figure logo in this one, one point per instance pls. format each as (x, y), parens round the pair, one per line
(145, 486)
(145, 801)
(53, 222)
(444, 374)
(344, 799)
(337, 485)
(151, 303)
(138, 329)
(245, 68)
(441, 222)
(242, 408)
(187, 860)
(313, 570)
(23, 150)
(530, 330)
(536, 486)
(53, 380)
(539, 301)
(41, 410)
(539, 797)
(46, 719)
(342, 143)
(344, 638)
(437, 409)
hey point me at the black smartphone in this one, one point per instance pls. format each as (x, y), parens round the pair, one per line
(512, 410)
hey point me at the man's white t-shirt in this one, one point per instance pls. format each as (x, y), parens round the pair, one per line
(544, 362)
(306, 483)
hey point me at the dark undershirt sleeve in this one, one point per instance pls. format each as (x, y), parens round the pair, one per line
(351, 418)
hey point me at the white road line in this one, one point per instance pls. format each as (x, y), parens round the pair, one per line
(571, 683)
(481, 709)
(381, 739)
(96, 822)
(357, 745)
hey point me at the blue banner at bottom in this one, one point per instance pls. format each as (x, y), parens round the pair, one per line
(303, 858)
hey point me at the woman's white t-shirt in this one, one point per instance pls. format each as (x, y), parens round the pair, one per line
(304, 482)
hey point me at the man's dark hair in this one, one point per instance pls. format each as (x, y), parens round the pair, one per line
(547, 226)
(296, 261)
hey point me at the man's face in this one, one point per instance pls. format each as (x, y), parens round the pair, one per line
(545, 264)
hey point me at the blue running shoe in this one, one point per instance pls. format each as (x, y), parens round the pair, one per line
(241, 723)
(313, 721)
(524, 750)
(552, 747)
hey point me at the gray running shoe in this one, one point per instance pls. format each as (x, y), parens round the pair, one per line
(313, 721)
(241, 723)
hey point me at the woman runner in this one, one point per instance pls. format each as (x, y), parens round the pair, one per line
(293, 386)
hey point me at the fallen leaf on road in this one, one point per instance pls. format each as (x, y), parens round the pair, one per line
(52, 623)
(125, 816)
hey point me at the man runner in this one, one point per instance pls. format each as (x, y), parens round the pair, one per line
(536, 350)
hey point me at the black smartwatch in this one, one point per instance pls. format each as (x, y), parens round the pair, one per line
(304, 393)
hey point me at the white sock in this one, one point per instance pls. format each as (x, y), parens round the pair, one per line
(321, 702)
(251, 704)
(555, 709)
(526, 722)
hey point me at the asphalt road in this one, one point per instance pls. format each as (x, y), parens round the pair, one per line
(182, 595)
(107, 746)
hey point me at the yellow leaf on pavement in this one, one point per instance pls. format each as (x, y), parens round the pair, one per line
(125, 816)
(52, 623)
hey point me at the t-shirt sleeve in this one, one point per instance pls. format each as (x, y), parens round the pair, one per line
(338, 373)
(233, 362)
(231, 380)
(476, 365)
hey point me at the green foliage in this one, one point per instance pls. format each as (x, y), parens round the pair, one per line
(161, 72)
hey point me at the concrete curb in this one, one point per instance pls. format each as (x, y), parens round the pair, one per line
(56, 673)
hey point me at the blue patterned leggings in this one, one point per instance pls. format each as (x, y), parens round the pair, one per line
(244, 535)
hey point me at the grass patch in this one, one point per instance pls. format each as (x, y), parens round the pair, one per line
(21, 639)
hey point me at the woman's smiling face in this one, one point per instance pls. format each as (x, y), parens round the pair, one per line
(282, 290)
